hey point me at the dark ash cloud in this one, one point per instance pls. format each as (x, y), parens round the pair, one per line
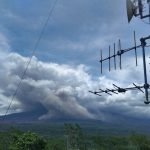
(62, 90)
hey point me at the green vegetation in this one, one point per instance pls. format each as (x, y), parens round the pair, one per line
(27, 141)
(73, 138)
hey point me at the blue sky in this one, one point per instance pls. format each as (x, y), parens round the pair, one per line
(65, 65)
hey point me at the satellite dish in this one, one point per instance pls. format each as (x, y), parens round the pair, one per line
(131, 9)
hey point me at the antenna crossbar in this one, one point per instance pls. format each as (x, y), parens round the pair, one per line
(120, 52)
(118, 89)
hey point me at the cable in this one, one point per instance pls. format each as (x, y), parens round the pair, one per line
(30, 59)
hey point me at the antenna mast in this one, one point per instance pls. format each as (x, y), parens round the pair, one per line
(146, 85)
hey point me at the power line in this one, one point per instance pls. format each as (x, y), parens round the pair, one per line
(30, 59)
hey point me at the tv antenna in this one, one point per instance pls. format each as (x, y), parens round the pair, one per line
(137, 8)
(119, 53)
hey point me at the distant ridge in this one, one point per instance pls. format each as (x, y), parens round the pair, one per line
(116, 119)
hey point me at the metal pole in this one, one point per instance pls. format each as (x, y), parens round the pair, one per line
(146, 85)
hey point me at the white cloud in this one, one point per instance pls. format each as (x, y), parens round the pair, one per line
(52, 85)
(63, 90)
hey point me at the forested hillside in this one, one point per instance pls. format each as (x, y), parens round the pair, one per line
(72, 137)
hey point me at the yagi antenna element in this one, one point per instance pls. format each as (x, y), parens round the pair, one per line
(131, 9)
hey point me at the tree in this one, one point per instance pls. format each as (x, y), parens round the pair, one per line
(74, 137)
(28, 141)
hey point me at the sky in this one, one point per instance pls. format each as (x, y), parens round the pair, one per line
(66, 65)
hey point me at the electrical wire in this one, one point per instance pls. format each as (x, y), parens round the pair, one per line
(30, 59)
